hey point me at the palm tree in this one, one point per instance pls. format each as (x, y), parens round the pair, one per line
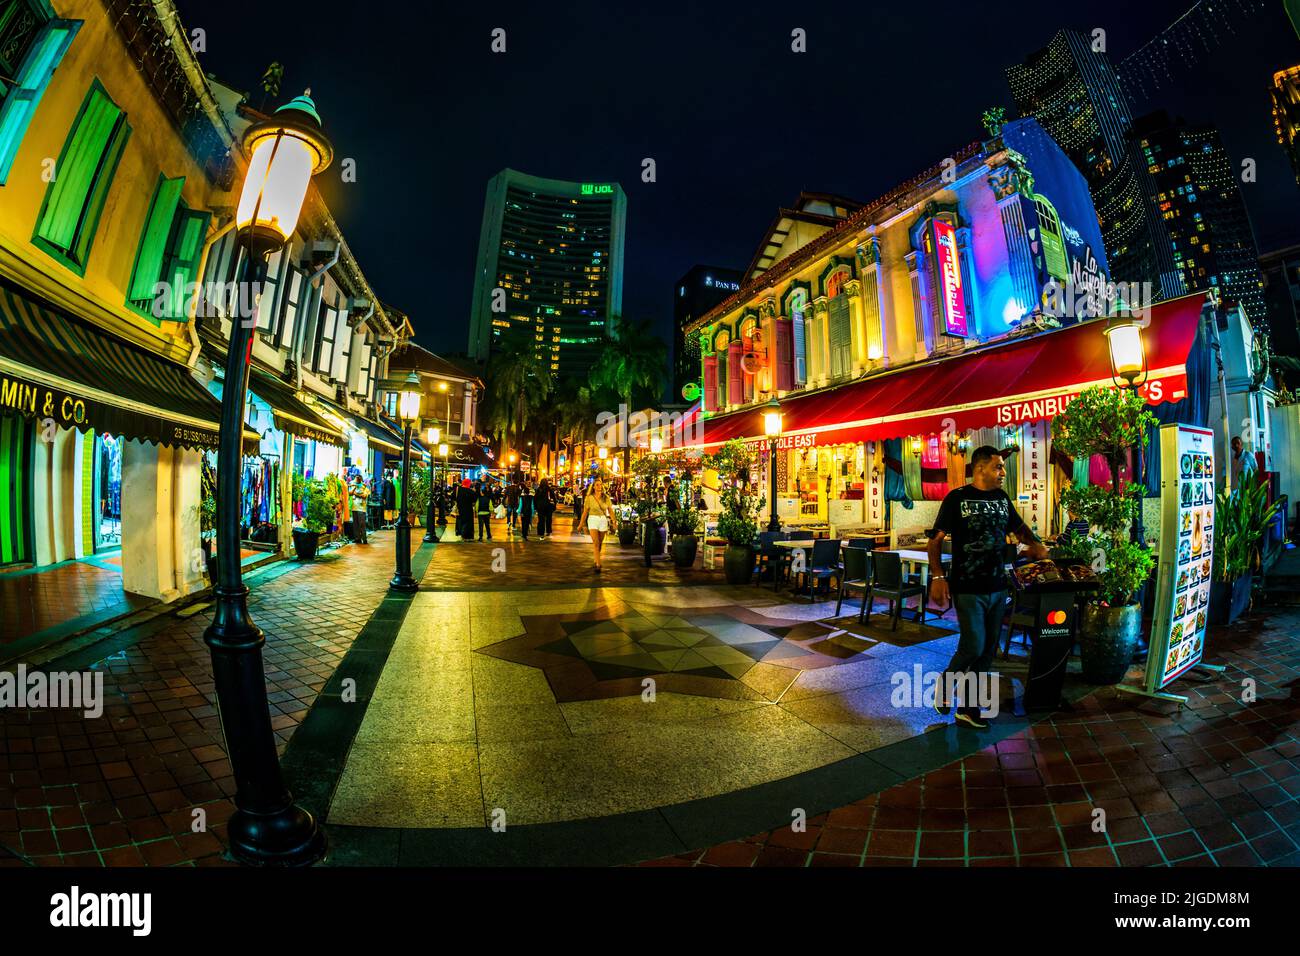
(634, 362)
(574, 410)
(518, 383)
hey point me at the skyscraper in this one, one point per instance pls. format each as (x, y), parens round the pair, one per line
(699, 290)
(554, 249)
(1196, 193)
(1075, 94)
(1286, 114)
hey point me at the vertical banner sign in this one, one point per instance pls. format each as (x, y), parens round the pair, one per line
(1186, 553)
(1033, 475)
(875, 487)
(954, 299)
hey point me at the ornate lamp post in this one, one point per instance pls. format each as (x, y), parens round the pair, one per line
(408, 410)
(267, 828)
(1128, 369)
(772, 429)
(435, 436)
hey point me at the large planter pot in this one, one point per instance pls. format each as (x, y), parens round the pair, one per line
(1108, 639)
(1229, 599)
(654, 540)
(626, 535)
(685, 547)
(738, 563)
(305, 544)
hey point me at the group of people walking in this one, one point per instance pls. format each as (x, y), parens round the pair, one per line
(517, 502)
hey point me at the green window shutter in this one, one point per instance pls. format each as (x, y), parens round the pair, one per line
(19, 105)
(153, 242)
(82, 177)
(181, 264)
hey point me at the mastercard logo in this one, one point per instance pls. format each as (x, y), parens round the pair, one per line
(1056, 617)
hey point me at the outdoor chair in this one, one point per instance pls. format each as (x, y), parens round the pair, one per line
(823, 564)
(1022, 612)
(887, 580)
(857, 577)
(767, 555)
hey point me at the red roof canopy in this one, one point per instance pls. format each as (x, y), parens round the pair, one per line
(1024, 380)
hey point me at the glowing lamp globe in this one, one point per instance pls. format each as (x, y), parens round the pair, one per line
(1128, 360)
(435, 435)
(656, 445)
(772, 419)
(442, 449)
(284, 152)
(408, 401)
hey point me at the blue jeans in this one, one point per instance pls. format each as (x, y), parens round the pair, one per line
(980, 618)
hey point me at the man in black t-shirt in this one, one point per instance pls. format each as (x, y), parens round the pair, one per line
(978, 517)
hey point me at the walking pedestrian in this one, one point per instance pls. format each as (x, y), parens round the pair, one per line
(465, 499)
(484, 511)
(545, 505)
(978, 517)
(526, 505)
(512, 504)
(359, 493)
(597, 517)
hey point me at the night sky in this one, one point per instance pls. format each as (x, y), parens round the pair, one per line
(736, 123)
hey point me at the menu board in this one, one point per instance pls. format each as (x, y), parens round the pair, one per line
(1186, 553)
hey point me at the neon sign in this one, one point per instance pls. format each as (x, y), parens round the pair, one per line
(954, 304)
(596, 189)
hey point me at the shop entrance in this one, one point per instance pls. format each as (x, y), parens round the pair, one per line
(16, 436)
(107, 493)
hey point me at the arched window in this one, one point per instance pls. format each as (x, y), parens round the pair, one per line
(841, 339)
(720, 343)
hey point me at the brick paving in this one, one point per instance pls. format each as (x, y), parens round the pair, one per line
(32, 601)
(120, 789)
(1216, 783)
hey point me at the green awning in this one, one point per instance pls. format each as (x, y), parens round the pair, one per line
(55, 366)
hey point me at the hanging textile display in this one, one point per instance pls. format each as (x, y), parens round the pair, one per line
(912, 472)
(895, 486)
(956, 469)
(934, 468)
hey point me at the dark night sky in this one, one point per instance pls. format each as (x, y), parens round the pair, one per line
(736, 123)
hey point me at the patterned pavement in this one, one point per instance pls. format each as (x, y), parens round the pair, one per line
(1215, 783)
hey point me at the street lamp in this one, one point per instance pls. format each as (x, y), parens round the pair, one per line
(656, 445)
(268, 828)
(772, 429)
(1128, 369)
(435, 436)
(408, 411)
(1128, 359)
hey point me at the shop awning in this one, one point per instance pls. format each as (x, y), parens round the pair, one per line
(1020, 381)
(52, 365)
(292, 414)
(378, 433)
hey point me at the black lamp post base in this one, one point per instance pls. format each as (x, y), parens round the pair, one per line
(403, 582)
(288, 837)
(774, 525)
(430, 536)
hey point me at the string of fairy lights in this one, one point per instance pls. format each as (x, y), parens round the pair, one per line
(1182, 44)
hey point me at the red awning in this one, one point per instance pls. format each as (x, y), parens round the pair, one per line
(1023, 380)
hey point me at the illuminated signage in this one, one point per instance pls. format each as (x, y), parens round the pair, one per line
(1178, 630)
(597, 189)
(954, 300)
(721, 284)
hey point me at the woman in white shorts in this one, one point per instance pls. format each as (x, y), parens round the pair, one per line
(597, 516)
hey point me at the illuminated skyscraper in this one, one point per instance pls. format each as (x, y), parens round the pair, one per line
(1286, 114)
(1075, 94)
(554, 249)
(1197, 196)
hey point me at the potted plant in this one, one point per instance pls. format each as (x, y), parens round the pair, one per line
(208, 527)
(1240, 520)
(738, 520)
(1107, 422)
(684, 523)
(321, 505)
(626, 526)
(417, 496)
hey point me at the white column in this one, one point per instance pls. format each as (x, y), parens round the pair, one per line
(187, 494)
(148, 502)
